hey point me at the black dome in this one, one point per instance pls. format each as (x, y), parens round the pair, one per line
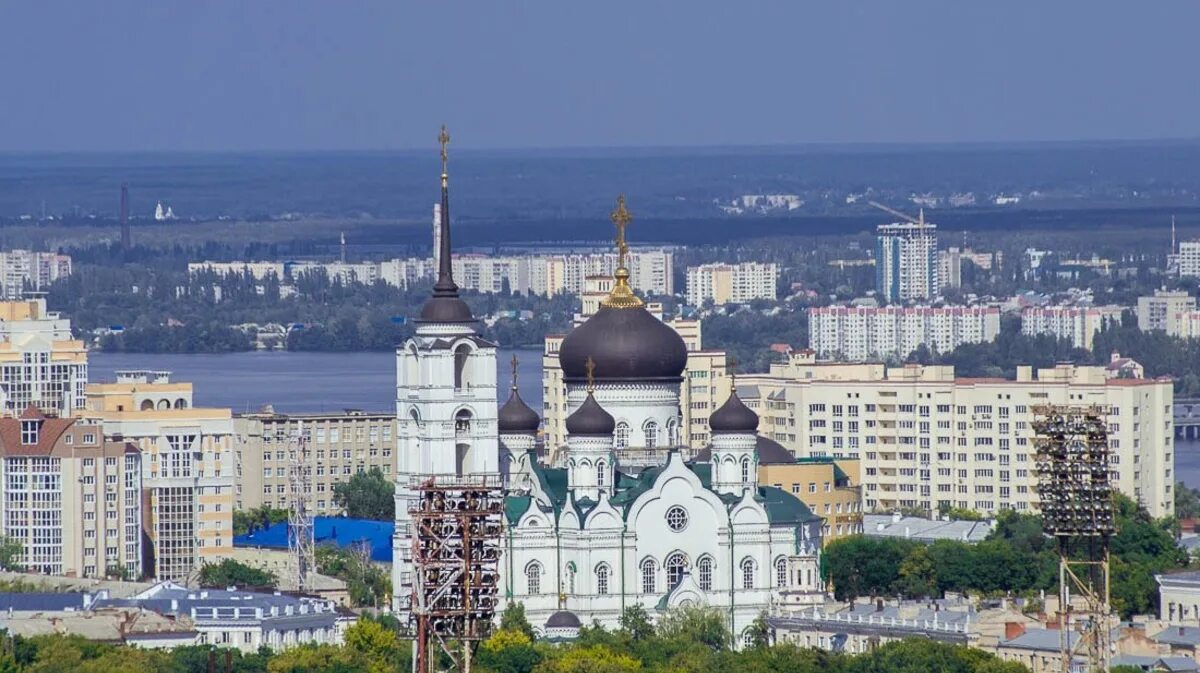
(626, 344)
(591, 419)
(563, 619)
(445, 309)
(733, 417)
(516, 418)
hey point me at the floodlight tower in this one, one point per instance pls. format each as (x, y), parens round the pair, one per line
(301, 539)
(1075, 496)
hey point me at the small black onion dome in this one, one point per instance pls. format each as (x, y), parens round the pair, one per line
(516, 418)
(733, 417)
(446, 309)
(591, 419)
(563, 619)
(626, 344)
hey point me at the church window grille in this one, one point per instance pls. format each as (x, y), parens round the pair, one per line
(600, 474)
(706, 574)
(677, 518)
(676, 565)
(651, 435)
(622, 435)
(602, 580)
(649, 575)
(533, 578)
(745, 470)
(748, 574)
(781, 573)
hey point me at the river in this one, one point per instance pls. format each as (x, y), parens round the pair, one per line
(298, 381)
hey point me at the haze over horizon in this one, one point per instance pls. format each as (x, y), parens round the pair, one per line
(224, 75)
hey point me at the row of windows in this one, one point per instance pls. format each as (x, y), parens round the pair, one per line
(676, 566)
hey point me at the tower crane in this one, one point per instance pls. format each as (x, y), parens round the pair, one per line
(919, 220)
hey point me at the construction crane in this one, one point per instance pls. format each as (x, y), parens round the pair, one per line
(919, 220)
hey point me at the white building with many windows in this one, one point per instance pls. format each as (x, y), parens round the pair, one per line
(731, 283)
(1077, 324)
(858, 333)
(906, 261)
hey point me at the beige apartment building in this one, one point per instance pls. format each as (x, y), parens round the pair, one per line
(1166, 310)
(705, 386)
(926, 438)
(41, 363)
(188, 466)
(72, 497)
(340, 445)
(828, 486)
(731, 283)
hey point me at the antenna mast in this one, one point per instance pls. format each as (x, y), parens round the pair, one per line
(301, 538)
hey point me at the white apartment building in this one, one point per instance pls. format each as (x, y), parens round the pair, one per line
(731, 283)
(1078, 324)
(650, 271)
(1189, 258)
(395, 272)
(906, 262)
(1166, 310)
(25, 269)
(858, 333)
(40, 362)
(926, 438)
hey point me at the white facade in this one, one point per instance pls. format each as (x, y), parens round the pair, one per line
(1166, 310)
(21, 269)
(1189, 258)
(731, 283)
(40, 362)
(858, 333)
(395, 272)
(1077, 324)
(906, 262)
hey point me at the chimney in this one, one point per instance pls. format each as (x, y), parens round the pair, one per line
(1013, 629)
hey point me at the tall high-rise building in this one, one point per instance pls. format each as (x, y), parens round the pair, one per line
(25, 270)
(731, 283)
(906, 261)
(40, 362)
(72, 497)
(1165, 310)
(189, 467)
(857, 333)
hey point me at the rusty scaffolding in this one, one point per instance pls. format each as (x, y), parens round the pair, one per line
(456, 553)
(1075, 496)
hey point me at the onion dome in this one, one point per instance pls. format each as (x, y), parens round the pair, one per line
(563, 619)
(516, 418)
(734, 417)
(591, 419)
(627, 344)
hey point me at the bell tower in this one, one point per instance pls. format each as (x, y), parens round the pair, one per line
(445, 398)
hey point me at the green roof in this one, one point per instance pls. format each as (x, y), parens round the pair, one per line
(515, 507)
(703, 471)
(783, 507)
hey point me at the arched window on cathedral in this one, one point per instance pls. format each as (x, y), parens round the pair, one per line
(602, 579)
(600, 474)
(621, 436)
(705, 568)
(781, 573)
(745, 470)
(570, 579)
(462, 422)
(651, 429)
(673, 433)
(676, 565)
(462, 377)
(748, 573)
(533, 578)
(649, 576)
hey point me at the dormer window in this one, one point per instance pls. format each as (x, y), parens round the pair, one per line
(29, 431)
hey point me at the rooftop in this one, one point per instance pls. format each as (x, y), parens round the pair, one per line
(924, 530)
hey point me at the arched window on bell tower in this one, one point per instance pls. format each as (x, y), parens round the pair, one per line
(462, 368)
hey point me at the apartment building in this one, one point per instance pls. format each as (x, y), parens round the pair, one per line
(396, 272)
(828, 486)
(1077, 324)
(1165, 310)
(731, 283)
(188, 466)
(339, 445)
(1189, 258)
(706, 382)
(927, 438)
(40, 362)
(857, 333)
(950, 264)
(72, 497)
(906, 262)
(22, 270)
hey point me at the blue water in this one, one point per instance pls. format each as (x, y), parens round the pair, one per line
(295, 381)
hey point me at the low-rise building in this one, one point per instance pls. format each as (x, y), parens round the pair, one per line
(340, 445)
(827, 486)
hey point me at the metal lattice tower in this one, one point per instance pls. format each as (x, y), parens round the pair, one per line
(301, 539)
(456, 553)
(1075, 496)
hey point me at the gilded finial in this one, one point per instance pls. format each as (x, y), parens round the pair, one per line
(514, 371)
(444, 141)
(622, 295)
(590, 365)
(732, 373)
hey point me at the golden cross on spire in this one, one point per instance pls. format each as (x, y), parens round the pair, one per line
(444, 140)
(590, 365)
(514, 371)
(732, 373)
(621, 218)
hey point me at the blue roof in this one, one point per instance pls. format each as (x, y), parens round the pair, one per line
(43, 600)
(329, 530)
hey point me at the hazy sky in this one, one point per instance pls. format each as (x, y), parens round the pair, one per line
(342, 74)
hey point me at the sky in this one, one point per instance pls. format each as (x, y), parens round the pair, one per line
(218, 75)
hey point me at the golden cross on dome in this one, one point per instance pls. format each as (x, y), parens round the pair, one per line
(621, 218)
(732, 373)
(514, 371)
(590, 365)
(444, 140)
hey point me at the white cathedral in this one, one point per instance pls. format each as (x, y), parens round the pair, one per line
(625, 520)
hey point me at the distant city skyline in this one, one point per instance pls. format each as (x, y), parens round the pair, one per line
(308, 75)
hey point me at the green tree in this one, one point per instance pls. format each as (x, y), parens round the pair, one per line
(368, 495)
(693, 624)
(513, 619)
(229, 573)
(595, 659)
(508, 651)
(1187, 501)
(635, 624)
(10, 550)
